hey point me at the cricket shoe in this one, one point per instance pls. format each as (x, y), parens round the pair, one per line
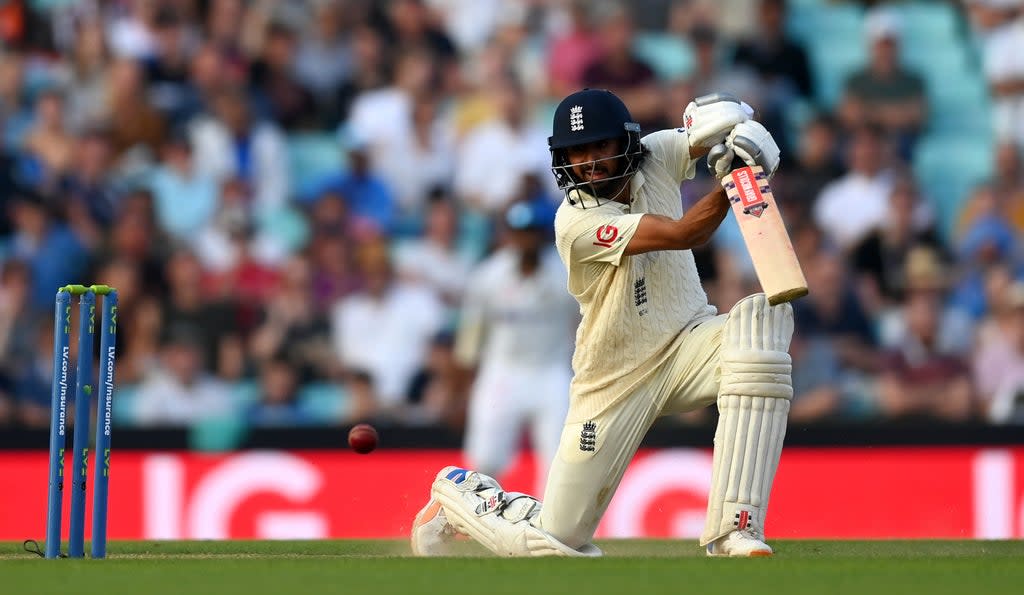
(432, 534)
(739, 544)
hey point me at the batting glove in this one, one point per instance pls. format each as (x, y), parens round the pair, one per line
(754, 145)
(709, 118)
(720, 160)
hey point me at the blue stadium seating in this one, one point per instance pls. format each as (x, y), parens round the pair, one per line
(947, 167)
(324, 402)
(312, 157)
(670, 56)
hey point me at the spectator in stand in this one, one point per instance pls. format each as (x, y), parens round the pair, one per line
(851, 206)
(371, 71)
(363, 404)
(987, 241)
(879, 258)
(138, 315)
(386, 328)
(48, 146)
(886, 93)
(714, 74)
(88, 66)
(618, 69)
(135, 237)
(383, 116)
(817, 392)
(330, 251)
(1004, 196)
(222, 22)
(131, 31)
(167, 70)
(50, 249)
(367, 195)
(1009, 174)
(926, 273)
(437, 391)
(425, 162)
(209, 71)
(19, 320)
(1003, 58)
(88, 188)
(781, 66)
(290, 328)
(185, 304)
(247, 281)
(512, 139)
(999, 359)
(572, 50)
(278, 403)
(323, 58)
(16, 114)
(919, 377)
(230, 144)
(180, 391)
(33, 380)
(274, 81)
(434, 258)
(409, 24)
(780, 62)
(184, 193)
(816, 164)
(419, 158)
(136, 126)
(470, 24)
(833, 310)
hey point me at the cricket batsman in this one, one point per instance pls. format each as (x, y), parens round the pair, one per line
(516, 331)
(648, 345)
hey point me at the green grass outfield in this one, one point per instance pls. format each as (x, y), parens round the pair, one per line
(629, 568)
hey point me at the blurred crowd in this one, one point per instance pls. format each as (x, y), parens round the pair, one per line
(292, 197)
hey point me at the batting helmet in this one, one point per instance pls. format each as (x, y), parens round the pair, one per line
(588, 116)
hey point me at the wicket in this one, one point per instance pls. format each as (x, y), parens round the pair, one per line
(84, 390)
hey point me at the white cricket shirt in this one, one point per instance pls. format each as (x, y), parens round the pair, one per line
(511, 320)
(634, 307)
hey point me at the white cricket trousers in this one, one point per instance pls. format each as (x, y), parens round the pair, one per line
(507, 400)
(593, 455)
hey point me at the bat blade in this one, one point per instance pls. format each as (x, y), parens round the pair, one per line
(765, 234)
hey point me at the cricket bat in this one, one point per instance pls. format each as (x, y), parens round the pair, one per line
(765, 234)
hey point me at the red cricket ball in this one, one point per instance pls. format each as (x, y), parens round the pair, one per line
(362, 438)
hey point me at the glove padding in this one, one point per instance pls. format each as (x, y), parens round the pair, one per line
(720, 160)
(709, 118)
(754, 145)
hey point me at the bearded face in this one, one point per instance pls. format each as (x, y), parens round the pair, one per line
(598, 165)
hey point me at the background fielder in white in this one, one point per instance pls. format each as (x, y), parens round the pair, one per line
(517, 330)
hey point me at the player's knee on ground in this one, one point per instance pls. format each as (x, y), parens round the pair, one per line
(475, 505)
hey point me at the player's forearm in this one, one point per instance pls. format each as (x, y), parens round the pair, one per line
(656, 232)
(700, 222)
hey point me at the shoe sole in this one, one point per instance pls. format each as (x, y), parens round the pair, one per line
(424, 516)
(754, 554)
